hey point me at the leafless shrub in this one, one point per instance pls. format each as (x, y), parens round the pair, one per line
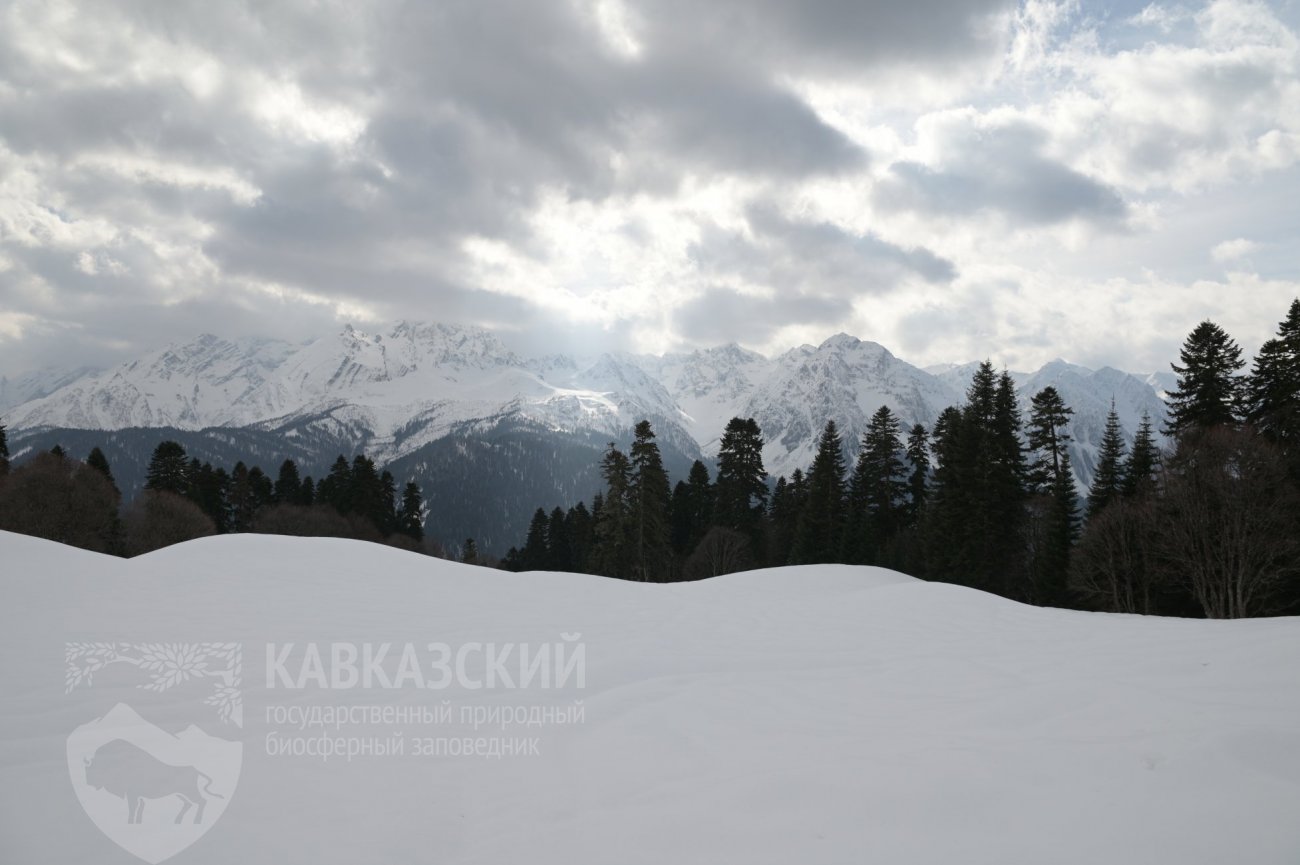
(721, 551)
(159, 519)
(60, 499)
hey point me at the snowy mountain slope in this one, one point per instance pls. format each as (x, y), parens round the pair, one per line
(38, 383)
(815, 715)
(846, 380)
(396, 390)
(1089, 393)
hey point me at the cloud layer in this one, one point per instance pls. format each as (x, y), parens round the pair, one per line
(956, 180)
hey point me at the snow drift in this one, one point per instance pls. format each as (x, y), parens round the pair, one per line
(813, 714)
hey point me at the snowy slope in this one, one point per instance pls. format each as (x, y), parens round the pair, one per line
(811, 715)
(397, 389)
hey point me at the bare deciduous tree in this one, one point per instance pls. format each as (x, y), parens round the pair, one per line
(158, 519)
(722, 551)
(60, 499)
(1225, 527)
(1111, 569)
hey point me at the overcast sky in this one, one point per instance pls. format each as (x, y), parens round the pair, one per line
(956, 180)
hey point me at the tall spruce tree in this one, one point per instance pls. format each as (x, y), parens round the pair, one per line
(611, 552)
(168, 470)
(335, 489)
(740, 492)
(210, 490)
(1143, 461)
(535, 554)
(692, 509)
(1062, 532)
(648, 509)
(387, 514)
(1209, 392)
(978, 501)
(788, 500)
(4, 451)
(410, 514)
(559, 546)
(97, 461)
(1049, 419)
(242, 498)
(288, 485)
(366, 493)
(1108, 479)
(918, 459)
(821, 524)
(578, 527)
(877, 490)
(1273, 388)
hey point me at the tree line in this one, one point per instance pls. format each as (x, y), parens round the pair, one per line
(987, 498)
(55, 496)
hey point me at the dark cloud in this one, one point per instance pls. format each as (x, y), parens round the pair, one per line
(813, 257)
(829, 36)
(799, 273)
(1002, 169)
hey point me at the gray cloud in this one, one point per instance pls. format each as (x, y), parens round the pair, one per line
(724, 315)
(811, 272)
(1001, 169)
(813, 258)
(275, 166)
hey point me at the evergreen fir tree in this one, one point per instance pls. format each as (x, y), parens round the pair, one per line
(535, 554)
(410, 515)
(1049, 418)
(469, 552)
(611, 548)
(387, 503)
(1108, 479)
(648, 508)
(4, 451)
(1062, 532)
(263, 488)
(1006, 491)
(559, 547)
(168, 470)
(918, 458)
(788, 500)
(97, 461)
(1273, 389)
(887, 489)
(335, 489)
(1209, 392)
(740, 492)
(58, 451)
(821, 524)
(288, 486)
(975, 529)
(1055, 503)
(692, 509)
(242, 498)
(578, 528)
(366, 492)
(308, 496)
(877, 490)
(210, 490)
(1143, 461)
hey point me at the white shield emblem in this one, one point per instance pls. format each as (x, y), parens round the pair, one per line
(155, 785)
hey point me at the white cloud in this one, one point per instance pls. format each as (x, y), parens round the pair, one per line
(1232, 250)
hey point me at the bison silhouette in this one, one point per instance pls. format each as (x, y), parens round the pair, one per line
(133, 774)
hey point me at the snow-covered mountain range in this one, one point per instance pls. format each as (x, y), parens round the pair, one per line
(395, 390)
